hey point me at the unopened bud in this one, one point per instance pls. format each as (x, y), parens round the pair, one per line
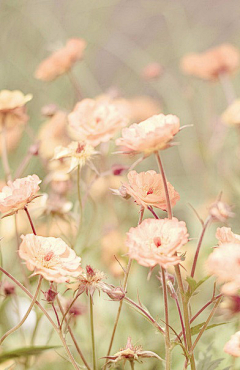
(50, 295)
(122, 192)
(116, 294)
(8, 288)
(34, 149)
(220, 211)
(117, 169)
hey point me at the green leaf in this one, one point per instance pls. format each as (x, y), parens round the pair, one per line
(196, 329)
(193, 284)
(25, 352)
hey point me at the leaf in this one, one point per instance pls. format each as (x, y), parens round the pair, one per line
(193, 284)
(206, 362)
(25, 352)
(196, 329)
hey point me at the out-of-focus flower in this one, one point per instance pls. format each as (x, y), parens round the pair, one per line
(49, 110)
(8, 365)
(220, 211)
(157, 241)
(101, 186)
(52, 134)
(50, 257)
(130, 353)
(89, 281)
(74, 310)
(225, 235)
(152, 71)
(212, 63)
(78, 152)
(59, 227)
(118, 169)
(151, 135)
(230, 306)
(231, 116)
(13, 136)
(58, 177)
(61, 61)
(147, 189)
(12, 107)
(224, 264)
(50, 295)
(8, 288)
(17, 194)
(95, 121)
(232, 347)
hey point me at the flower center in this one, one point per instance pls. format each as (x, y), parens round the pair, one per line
(150, 191)
(48, 256)
(157, 241)
(80, 148)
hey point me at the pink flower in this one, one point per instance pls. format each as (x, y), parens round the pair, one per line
(225, 235)
(232, 347)
(157, 241)
(95, 121)
(151, 135)
(49, 257)
(224, 263)
(147, 189)
(17, 194)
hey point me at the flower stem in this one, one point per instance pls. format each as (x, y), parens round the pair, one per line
(132, 365)
(160, 165)
(30, 220)
(75, 84)
(79, 196)
(92, 333)
(167, 333)
(227, 87)
(5, 161)
(15, 328)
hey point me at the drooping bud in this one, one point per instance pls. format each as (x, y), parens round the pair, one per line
(116, 294)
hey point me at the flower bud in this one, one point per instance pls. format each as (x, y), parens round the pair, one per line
(50, 295)
(8, 288)
(116, 294)
(220, 211)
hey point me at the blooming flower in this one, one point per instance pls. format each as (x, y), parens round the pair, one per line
(211, 63)
(232, 347)
(151, 135)
(231, 116)
(147, 189)
(157, 241)
(12, 110)
(61, 61)
(17, 194)
(79, 152)
(95, 121)
(152, 71)
(225, 235)
(49, 257)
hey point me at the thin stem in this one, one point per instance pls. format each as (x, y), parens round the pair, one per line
(167, 336)
(132, 365)
(68, 309)
(79, 196)
(160, 165)
(5, 161)
(92, 333)
(56, 314)
(71, 358)
(15, 328)
(75, 84)
(181, 320)
(227, 87)
(153, 213)
(30, 220)
(26, 281)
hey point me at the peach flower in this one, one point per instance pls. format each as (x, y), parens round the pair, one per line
(95, 121)
(61, 61)
(151, 135)
(231, 116)
(17, 194)
(224, 264)
(152, 71)
(157, 241)
(211, 63)
(13, 137)
(225, 235)
(147, 189)
(50, 257)
(12, 107)
(232, 347)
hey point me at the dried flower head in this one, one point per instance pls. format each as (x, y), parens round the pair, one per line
(78, 152)
(231, 116)
(232, 347)
(17, 194)
(220, 211)
(157, 241)
(155, 133)
(147, 189)
(49, 257)
(50, 295)
(95, 121)
(61, 61)
(12, 107)
(89, 281)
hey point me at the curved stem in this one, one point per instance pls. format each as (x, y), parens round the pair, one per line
(160, 165)
(92, 333)
(30, 220)
(167, 333)
(15, 328)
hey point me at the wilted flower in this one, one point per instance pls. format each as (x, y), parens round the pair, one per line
(220, 211)
(157, 241)
(95, 121)
(147, 189)
(12, 110)
(61, 61)
(212, 63)
(231, 116)
(17, 194)
(152, 71)
(115, 293)
(49, 257)
(78, 152)
(225, 235)
(232, 347)
(151, 135)
(130, 353)
(89, 281)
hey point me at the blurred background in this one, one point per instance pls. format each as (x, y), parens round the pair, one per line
(123, 37)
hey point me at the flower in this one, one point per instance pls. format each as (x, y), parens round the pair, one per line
(147, 189)
(220, 211)
(130, 353)
(88, 281)
(152, 71)
(17, 194)
(157, 241)
(212, 63)
(232, 347)
(79, 152)
(13, 137)
(231, 116)
(12, 110)
(230, 306)
(224, 264)
(61, 61)
(225, 235)
(151, 135)
(74, 310)
(95, 121)
(50, 257)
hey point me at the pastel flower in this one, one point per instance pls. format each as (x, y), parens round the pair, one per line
(212, 63)
(152, 71)
(231, 116)
(78, 152)
(49, 257)
(151, 135)
(147, 189)
(232, 347)
(89, 281)
(61, 61)
(12, 107)
(95, 121)
(225, 235)
(157, 241)
(17, 194)
(220, 211)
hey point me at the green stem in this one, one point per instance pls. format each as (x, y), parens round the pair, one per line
(79, 197)
(92, 333)
(167, 333)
